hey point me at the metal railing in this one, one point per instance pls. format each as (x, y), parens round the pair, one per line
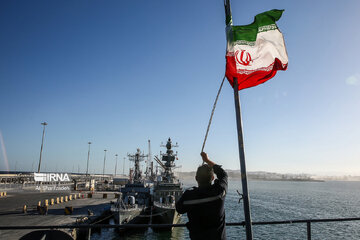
(88, 226)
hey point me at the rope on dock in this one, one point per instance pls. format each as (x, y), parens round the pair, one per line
(103, 219)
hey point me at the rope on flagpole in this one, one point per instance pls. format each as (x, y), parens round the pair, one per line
(212, 114)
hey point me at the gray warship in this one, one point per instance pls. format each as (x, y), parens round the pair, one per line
(135, 197)
(167, 189)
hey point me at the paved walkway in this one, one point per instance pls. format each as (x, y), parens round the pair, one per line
(11, 210)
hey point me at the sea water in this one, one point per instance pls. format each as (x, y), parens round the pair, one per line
(280, 200)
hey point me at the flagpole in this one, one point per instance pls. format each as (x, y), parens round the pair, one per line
(245, 194)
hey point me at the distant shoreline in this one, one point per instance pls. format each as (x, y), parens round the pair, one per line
(285, 180)
(272, 180)
(271, 176)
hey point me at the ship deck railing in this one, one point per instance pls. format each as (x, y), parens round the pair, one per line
(308, 223)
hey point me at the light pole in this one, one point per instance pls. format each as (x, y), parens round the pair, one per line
(115, 164)
(124, 167)
(42, 144)
(87, 165)
(104, 163)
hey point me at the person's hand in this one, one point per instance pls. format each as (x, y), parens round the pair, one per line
(206, 159)
(204, 156)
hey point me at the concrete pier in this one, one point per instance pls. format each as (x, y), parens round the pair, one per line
(12, 210)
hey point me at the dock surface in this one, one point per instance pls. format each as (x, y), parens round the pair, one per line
(11, 207)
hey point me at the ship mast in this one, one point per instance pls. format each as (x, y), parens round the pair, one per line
(137, 158)
(148, 172)
(169, 159)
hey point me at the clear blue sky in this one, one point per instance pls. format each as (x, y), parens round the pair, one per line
(118, 73)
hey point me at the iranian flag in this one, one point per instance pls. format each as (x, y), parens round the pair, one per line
(256, 51)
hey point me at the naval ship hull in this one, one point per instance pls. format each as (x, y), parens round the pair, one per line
(164, 215)
(124, 216)
(129, 216)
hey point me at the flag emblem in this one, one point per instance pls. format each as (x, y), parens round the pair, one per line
(241, 60)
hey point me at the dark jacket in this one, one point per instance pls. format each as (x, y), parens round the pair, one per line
(205, 208)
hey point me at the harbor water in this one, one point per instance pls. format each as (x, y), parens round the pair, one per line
(280, 200)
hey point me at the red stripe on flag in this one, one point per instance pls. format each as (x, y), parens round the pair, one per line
(254, 78)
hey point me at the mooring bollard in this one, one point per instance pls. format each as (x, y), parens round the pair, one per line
(43, 210)
(38, 206)
(68, 210)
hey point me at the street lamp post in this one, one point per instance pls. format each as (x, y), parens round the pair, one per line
(115, 164)
(87, 165)
(124, 166)
(104, 163)
(42, 144)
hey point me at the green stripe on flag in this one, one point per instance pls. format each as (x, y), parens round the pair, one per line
(263, 22)
(269, 17)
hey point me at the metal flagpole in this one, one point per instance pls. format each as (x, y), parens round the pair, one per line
(245, 194)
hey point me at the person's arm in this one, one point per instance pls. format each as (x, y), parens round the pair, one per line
(220, 173)
(180, 207)
(221, 176)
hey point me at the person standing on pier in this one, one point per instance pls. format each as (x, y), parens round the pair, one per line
(204, 204)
